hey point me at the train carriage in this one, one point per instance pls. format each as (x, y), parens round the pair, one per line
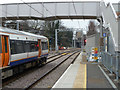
(20, 50)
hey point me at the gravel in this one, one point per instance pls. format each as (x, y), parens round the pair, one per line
(50, 79)
(31, 77)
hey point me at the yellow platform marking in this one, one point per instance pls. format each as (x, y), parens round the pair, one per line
(69, 53)
(95, 58)
(64, 53)
(81, 77)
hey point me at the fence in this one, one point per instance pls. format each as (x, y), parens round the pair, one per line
(111, 62)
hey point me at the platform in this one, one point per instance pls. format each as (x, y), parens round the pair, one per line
(83, 75)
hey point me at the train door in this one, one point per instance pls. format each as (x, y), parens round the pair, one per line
(0, 51)
(4, 51)
(39, 43)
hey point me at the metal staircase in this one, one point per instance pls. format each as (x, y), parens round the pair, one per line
(110, 21)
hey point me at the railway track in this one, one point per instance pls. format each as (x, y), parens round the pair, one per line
(50, 70)
(35, 82)
(50, 59)
(61, 52)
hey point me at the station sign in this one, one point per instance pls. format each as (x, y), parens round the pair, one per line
(104, 34)
(94, 54)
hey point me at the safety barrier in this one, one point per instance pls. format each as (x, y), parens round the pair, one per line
(111, 62)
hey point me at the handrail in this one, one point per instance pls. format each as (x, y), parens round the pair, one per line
(108, 8)
(113, 10)
(113, 55)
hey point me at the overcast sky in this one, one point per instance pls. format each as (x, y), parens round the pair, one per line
(68, 23)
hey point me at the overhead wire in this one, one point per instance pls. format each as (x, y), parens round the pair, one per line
(32, 8)
(47, 9)
(75, 12)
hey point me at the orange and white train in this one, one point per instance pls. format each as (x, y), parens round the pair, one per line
(20, 50)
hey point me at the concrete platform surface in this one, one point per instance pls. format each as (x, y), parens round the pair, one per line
(82, 75)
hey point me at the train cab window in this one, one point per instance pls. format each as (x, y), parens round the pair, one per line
(44, 45)
(27, 46)
(13, 47)
(0, 45)
(19, 46)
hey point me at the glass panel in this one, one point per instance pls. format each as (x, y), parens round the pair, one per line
(44, 45)
(5, 44)
(36, 46)
(12, 47)
(27, 46)
(0, 45)
(32, 46)
(19, 47)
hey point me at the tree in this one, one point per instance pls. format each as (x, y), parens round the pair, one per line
(64, 38)
(49, 30)
(91, 28)
(46, 28)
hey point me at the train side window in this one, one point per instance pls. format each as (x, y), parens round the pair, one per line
(19, 47)
(27, 46)
(32, 46)
(0, 45)
(36, 46)
(13, 47)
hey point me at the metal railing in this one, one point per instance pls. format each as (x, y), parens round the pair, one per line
(112, 63)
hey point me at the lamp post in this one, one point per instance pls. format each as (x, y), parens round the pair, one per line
(17, 25)
(56, 44)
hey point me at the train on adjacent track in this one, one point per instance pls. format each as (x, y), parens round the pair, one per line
(21, 50)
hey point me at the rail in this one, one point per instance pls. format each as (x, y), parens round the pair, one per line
(32, 85)
(52, 59)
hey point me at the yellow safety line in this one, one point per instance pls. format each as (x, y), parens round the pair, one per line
(85, 76)
(64, 53)
(81, 77)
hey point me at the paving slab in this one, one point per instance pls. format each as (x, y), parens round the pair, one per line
(95, 77)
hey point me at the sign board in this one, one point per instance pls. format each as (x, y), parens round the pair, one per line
(94, 54)
(104, 35)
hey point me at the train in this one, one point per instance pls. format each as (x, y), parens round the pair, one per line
(21, 50)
